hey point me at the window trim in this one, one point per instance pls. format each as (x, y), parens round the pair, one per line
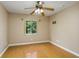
(25, 28)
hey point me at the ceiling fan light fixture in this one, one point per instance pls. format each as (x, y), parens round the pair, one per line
(37, 11)
(40, 3)
(42, 10)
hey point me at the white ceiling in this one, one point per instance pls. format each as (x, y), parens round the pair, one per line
(18, 6)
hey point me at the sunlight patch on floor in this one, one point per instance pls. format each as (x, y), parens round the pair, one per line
(31, 54)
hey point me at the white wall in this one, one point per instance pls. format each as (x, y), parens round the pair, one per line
(16, 29)
(3, 28)
(66, 30)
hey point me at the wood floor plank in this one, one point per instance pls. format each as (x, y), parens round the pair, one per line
(40, 50)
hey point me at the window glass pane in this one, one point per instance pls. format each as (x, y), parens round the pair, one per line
(31, 27)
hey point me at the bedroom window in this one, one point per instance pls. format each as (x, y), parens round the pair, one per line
(31, 27)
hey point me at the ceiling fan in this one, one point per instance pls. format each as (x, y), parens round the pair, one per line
(39, 9)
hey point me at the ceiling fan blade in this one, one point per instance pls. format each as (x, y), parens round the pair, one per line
(43, 14)
(32, 12)
(51, 9)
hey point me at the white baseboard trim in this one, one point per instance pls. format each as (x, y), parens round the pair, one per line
(38, 42)
(20, 44)
(3, 51)
(68, 50)
(15, 44)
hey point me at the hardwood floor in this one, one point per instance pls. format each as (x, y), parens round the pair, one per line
(40, 50)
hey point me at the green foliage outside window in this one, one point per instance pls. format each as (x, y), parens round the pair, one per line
(31, 27)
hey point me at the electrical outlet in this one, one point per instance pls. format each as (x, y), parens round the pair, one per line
(58, 41)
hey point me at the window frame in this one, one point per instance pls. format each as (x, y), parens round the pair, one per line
(25, 28)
